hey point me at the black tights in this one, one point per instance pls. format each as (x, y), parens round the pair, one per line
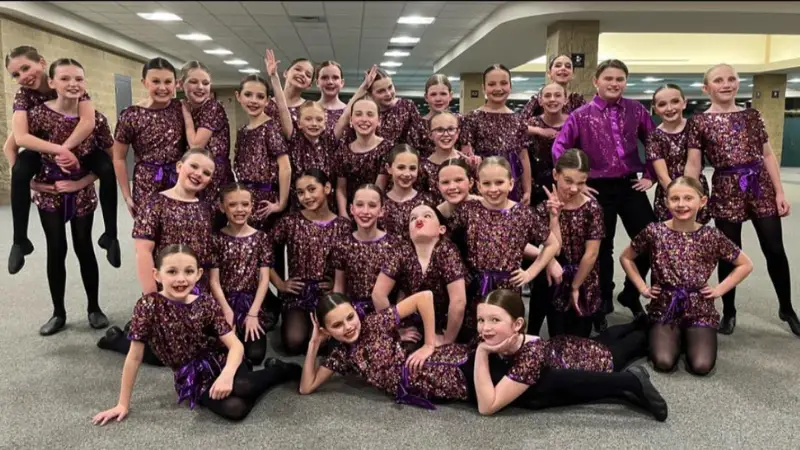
(28, 165)
(55, 232)
(295, 331)
(701, 348)
(254, 351)
(627, 343)
(770, 237)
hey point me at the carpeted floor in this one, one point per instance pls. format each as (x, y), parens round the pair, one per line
(51, 387)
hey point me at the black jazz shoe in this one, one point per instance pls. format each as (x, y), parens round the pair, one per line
(727, 325)
(791, 319)
(111, 246)
(650, 398)
(16, 258)
(53, 326)
(98, 320)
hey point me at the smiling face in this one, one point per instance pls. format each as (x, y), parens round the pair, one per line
(722, 84)
(68, 82)
(404, 170)
(330, 81)
(300, 75)
(160, 85)
(553, 98)
(424, 225)
(495, 324)
(367, 208)
(669, 105)
(684, 201)
(497, 86)
(178, 274)
(383, 92)
(237, 206)
(312, 120)
(26, 72)
(311, 194)
(197, 86)
(438, 97)
(195, 172)
(253, 98)
(561, 70)
(611, 84)
(365, 119)
(444, 131)
(343, 324)
(454, 184)
(495, 183)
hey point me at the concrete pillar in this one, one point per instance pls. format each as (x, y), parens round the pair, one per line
(472, 94)
(576, 37)
(769, 98)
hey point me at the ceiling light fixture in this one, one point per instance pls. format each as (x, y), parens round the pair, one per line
(396, 53)
(697, 84)
(749, 85)
(454, 78)
(236, 62)
(519, 79)
(160, 16)
(794, 80)
(404, 40)
(249, 70)
(193, 37)
(416, 20)
(391, 64)
(390, 72)
(630, 84)
(649, 91)
(219, 51)
(652, 79)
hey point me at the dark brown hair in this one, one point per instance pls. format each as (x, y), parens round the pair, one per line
(62, 62)
(668, 86)
(232, 187)
(299, 60)
(328, 303)
(496, 67)
(370, 187)
(510, 301)
(459, 162)
(398, 149)
(196, 151)
(317, 174)
(575, 159)
(325, 64)
(380, 74)
(437, 79)
(610, 64)
(156, 64)
(254, 77)
(553, 61)
(174, 249)
(24, 50)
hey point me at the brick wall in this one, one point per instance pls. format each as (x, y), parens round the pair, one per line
(100, 68)
(772, 109)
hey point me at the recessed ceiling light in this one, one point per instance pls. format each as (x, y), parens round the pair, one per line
(651, 79)
(390, 72)
(249, 70)
(649, 91)
(236, 62)
(160, 16)
(529, 92)
(794, 80)
(693, 102)
(219, 51)
(396, 53)
(416, 20)
(391, 64)
(194, 37)
(749, 85)
(404, 40)
(697, 84)
(454, 78)
(519, 79)
(630, 84)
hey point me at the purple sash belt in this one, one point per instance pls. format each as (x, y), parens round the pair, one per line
(490, 279)
(570, 270)
(363, 306)
(258, 186)
(405, 397)
(679, 302)
(164, 171)
(189, 378)
(748, 176)
(240, 303)
(309, 295)
(70, 199)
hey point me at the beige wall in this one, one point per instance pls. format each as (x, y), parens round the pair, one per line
(771, 109)
(100, 68)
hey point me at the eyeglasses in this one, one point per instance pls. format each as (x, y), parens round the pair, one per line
(448, 130)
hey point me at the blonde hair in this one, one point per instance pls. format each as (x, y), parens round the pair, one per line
(190, 66)
(715, 67)
(689, 182)
(495, 161)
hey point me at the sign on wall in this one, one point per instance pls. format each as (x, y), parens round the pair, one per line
(578, 60)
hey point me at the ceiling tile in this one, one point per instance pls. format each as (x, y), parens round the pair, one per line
(465, 10)
(427, 9)
(229, 8)
(267, 20)
(182, 7)
(138, 7)
(101, 7)
(383, 9)
(377, 33)
(237, 20)
(343, 8)
(304, 8)
(271, 8)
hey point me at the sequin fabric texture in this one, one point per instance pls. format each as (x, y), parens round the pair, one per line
(578, 226)
(309, 245)
(395, 218)
(429, 179)
(444, 267)
(362, 262)
(560, 352)
(497, 134)
(211, 116)
(533, 108)
(378, 357)
(540, 153)
(256, 162)
(671, 147)
(683, 260)
(158, 138)
(239, 260)
(361, 168)
(332, 116)
(731, 140)
(177, 332)
(400, 124)
(273, 112)
(26, 99)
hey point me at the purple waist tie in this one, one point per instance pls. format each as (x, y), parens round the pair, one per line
(748, 176)
(405, 397)
(167, 170)
(258, 186)
(310, 294)
(490, 279)
(363, 306)
(189, 378)
(70, 198)
(679, 302)
(570, 270)
(240, 303)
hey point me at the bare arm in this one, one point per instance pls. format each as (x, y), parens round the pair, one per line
(694, 163)
(129, 371)
(23, 138)
(339, 282)
(629, 266)
(742, 267)
(85, 127)
(235, 354)
(217, 292)
(145, 264)
(196, 138)
(284, 181)
(287, 126)
(380, 292)
(264, 275)
(491, 398)
(10, 150)
(313, 376)
(422, 303)
(120, 153)
(660, 167)
(527, 179)
(341, 197)
(457, 292)
(587, 263)
(382, 181)
(549, 251)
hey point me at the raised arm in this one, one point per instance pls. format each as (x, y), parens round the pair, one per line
(344, 120)
(285, 117)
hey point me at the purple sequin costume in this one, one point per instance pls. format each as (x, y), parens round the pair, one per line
(167, 221)
(498, 134)
(26, 99)
(256, 163)
(423, 142)
(734, 144)
(533, 108)
(361, 168)
(671, 147)
(309, 245)
(211, 116)
(305, 154)
(177, 333)
(396, 215)
(540, 152)
(429, 179)
(240, 260)
(400, 124)
(379, 358)
(273, 111)
(560, 352)
(332, 116)
(444, 267)
(682, 263)
(158, 138)
(578, 226)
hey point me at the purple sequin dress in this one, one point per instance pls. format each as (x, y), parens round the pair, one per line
(305, 154)
(429, 179)
(560, 352)
(240, 260)
(158, 138)
(309, 245)
(671, 147)
(26, 99)
(379, 358)
(734, 144)
(400, 124)
(332, 116)
(682, 263)
(211, 116)
(540, 152)
(361, 168)
(178, 334)
(273, 112)
(396, 214)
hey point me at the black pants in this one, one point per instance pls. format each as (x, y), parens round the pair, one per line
(55, 233)
(28, 165)
(617, 197)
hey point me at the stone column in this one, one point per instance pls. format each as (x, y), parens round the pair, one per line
(769, 98)
(572, 38)
(471, 83)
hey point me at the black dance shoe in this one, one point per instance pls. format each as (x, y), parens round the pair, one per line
(53, 326)
(293, 371)
(651, 399)
(728, 324)
(112, 334)
(111, 246)
(98, 320)
(16, 258)
(791, 319)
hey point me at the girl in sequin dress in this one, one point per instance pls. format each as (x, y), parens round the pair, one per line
(298, 78)
(666, 148)
(190, 334)
(330, 80)
(358, 257)
(309, 235)
(438, 94)
(403, 164)
(746, 185)
(27, 67)
(494, 130)
(239, 275)
(63, 197)
(155, 128)
(683, 254)
(552, 100)
(206, 126)
(444, 135)
(559, 71)
(510, 367)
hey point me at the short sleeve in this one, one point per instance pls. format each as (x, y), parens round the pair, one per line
(216, 251)
(124, 132)
(22, 101)
(337, 360)
(654, 148)
(453, 268)
(529, 111)
(385, 320)
(761, 129)
(147, 223)
(210, 117)
(216, 319)
(539, 227)
(694, 133)
(102, 133)
(528, 364)
(643, 242)
(142, 318)
(395, 264)
(726, 250)
(265, 255)
(278, 235)
(272, 109)
(276, 145)
(467, 131)
(596, 226)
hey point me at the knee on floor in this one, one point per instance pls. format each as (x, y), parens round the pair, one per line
(700, 368)
(663, 365)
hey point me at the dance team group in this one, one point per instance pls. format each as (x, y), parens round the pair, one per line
(408, 237)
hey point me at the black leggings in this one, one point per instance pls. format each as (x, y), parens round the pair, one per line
(55, 232)
(254, 351)
(700, 344)
(627, 343)
(28, 165)
(247, 388)
(295, 331)
(770, 237)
